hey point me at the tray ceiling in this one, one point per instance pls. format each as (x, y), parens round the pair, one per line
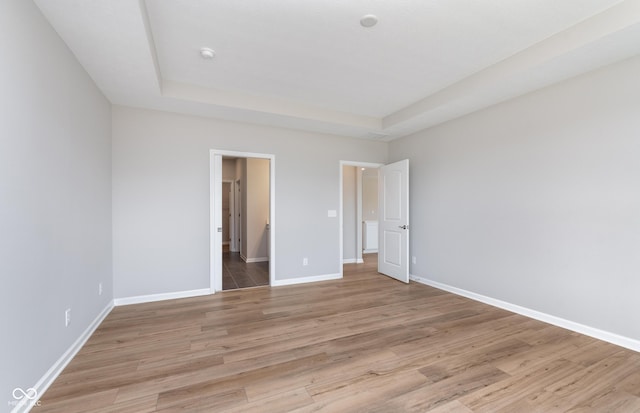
(310, 65)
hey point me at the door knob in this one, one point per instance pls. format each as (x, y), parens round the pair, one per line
(403, 227)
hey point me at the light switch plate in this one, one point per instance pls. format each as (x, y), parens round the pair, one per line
(332, 213)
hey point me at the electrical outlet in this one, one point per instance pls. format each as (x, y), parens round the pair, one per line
(99, 288)
(305, 261)
(67, 317)
(413, 259)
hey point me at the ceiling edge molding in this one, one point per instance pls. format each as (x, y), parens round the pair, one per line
(612, 20)
(252, 103)
(151, 42)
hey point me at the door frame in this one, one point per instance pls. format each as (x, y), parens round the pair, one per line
(237, 242)
(232, 205)
(359, 201)
(215, 213)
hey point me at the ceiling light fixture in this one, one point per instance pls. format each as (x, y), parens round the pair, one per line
(368, 20)
(207, 53)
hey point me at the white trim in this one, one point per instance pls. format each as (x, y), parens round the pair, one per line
(213, 166)
(160, 297)
(304, 280)
(232, 204)
(353, 261)
(370, 251)
(358, 213)
(341, 204)
(258, 259)
(603, 335)
(54, 371)
(216, 280)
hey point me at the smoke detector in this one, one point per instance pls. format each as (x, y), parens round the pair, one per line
(369, 20)
(207, 53)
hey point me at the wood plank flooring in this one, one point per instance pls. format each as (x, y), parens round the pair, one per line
(365, 343)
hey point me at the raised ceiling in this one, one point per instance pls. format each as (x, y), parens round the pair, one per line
(310, 65)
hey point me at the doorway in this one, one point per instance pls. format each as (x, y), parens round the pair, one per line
(358, 210)
(391, 229)
(242, 220)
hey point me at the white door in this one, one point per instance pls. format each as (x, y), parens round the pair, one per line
(393, 201)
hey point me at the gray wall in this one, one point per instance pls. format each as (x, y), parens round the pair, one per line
(536, 202)
(257, 208)
(229, 169)
(161, 197)
(370, 194)
(55, 197)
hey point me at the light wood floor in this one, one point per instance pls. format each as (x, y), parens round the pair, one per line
(365, 343)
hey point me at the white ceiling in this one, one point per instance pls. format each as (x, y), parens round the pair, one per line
(310, 65)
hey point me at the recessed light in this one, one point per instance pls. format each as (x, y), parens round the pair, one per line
(368, 20)
(207, 53)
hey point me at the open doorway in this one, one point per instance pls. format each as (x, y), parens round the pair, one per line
(242, 220)
(359, 204)
(392, 229)
(248, 265)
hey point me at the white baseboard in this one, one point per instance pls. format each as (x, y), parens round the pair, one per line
(54, 371)
(607, 336)
(370, 251)
(259, 259)
(159, 297)
(353, 261)
(303, 280)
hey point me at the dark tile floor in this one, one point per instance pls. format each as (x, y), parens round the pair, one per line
(239, 274)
